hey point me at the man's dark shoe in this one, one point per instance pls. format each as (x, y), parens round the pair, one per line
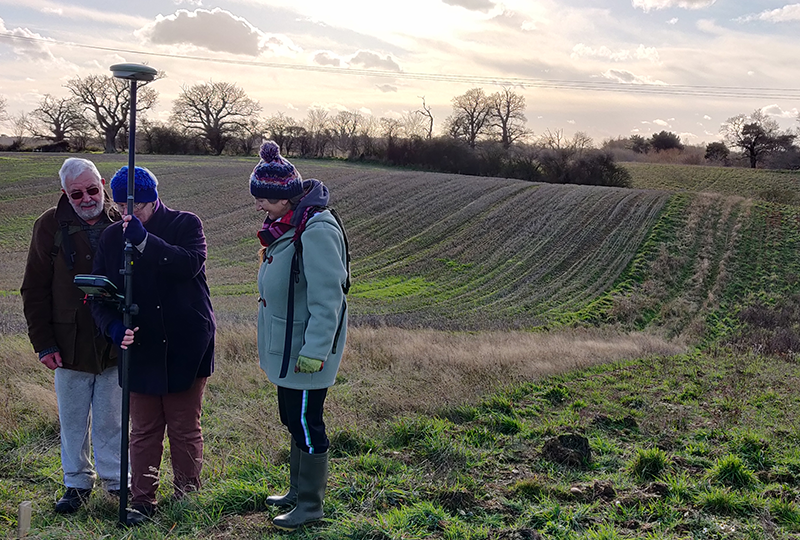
(72, 499)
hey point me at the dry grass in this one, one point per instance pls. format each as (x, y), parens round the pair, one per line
(27, 397)
(392, 371)
(385, 372)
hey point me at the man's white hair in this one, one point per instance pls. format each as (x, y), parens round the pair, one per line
(74, 167)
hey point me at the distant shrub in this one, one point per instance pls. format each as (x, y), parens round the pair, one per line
(770, 329)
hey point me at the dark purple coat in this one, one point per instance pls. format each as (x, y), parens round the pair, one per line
(175, 341)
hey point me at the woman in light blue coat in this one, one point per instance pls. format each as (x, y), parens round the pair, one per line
(301, 279)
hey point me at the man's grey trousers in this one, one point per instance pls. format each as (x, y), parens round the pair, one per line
(88, 402)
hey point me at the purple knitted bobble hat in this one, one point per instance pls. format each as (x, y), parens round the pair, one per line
(274, 177)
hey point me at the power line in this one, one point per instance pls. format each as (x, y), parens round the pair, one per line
(553, 84)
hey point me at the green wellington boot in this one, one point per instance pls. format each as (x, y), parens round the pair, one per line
(290, 498)
(312, 478)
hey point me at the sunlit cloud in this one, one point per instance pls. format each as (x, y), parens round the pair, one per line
(327, 58)
(626, 77)
(788, 13)
(216, 30)
(473, 5)
(648, 5)
(621, 55)
(779, 112)
(370, 59)
(24, 48)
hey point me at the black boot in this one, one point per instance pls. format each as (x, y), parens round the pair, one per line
(312, 478)
(72, 499)
(139, 513)
(294, 465)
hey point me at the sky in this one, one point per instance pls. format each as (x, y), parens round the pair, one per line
(608, 69)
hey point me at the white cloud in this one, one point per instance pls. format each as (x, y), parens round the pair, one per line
(327, 58)
(706, 117)
(370, 59)
(331, 108)
(78, 13)
(673, 20)
(472, 5)
(28, 45)
(386, 87)
(709, 26)
(626, 77)
(788, 13)
(641, 53)
(776, 110)
(648, 5)
(216, 30)
(662, 123)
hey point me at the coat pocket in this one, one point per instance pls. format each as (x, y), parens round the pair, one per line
(277, 336)
(65, 328)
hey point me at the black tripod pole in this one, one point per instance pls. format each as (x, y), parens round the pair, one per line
(135, 73)
(127, 319)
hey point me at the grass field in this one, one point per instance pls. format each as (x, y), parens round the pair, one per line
(490, 317)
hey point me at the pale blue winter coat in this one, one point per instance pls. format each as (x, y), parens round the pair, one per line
(319, 304)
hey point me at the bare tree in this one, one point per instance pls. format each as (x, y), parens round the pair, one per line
(507, 115)
(250, 135)
(426, 113)
(470, 116)
(215, 111)
(277, 129)
(757, 136)
(108, 100)
(367, 131)
(391, 128)
(345, 124)
(3, 110)
(318, 128)
(414, 125)
(57, 119)
(20, 123)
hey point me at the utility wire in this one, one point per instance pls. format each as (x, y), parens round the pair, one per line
(595, 86)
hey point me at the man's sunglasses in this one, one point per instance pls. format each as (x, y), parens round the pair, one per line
(92, 191)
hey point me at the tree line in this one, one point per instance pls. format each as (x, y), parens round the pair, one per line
(484, 135)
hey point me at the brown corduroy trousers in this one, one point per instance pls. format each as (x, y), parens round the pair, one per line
(179, 413)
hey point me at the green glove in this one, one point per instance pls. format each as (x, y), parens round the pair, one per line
(308, 365)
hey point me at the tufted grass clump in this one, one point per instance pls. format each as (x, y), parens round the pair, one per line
(649, 463)
(723, 501)
(730, 470)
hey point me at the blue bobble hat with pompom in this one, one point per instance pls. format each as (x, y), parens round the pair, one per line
(274, 177)
(144, 182)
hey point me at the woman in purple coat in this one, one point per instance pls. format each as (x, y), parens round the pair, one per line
(172, 344)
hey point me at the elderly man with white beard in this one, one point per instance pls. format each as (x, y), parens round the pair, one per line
(64, 335)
